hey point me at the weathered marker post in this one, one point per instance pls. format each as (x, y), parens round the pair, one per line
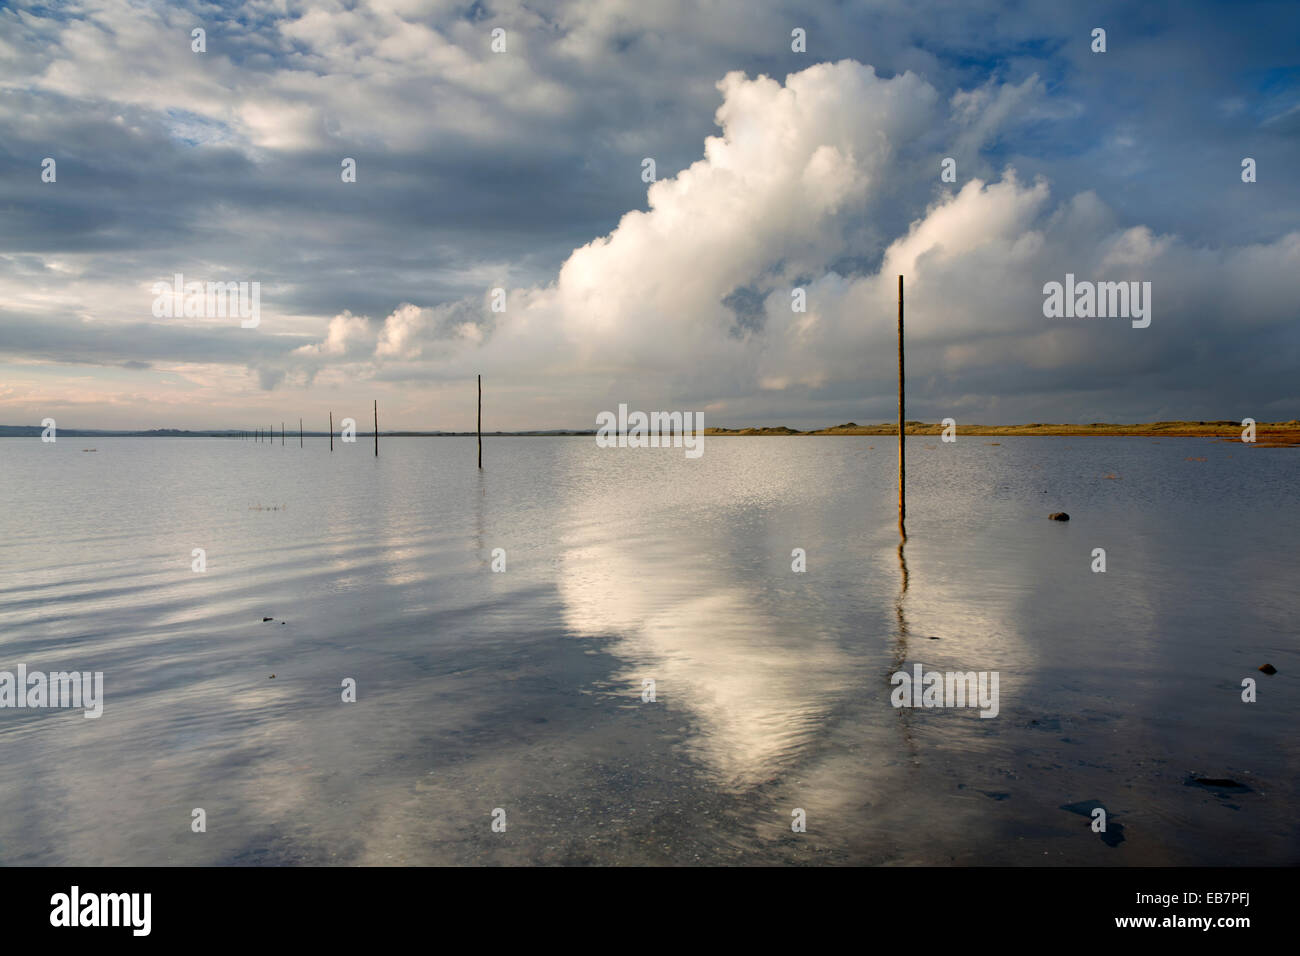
(281, 434)
(376, 428)
(902, 455)
(300, 433)
(331, 431)
(480, 422)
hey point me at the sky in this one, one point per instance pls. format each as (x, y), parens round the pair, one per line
(517, 162)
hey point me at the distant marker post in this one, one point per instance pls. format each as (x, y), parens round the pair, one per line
(902, 454)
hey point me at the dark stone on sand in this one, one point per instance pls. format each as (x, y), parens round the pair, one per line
(265, 619)
(1114, 833)
(1113, 836)
(1084, 807)
(1218, 783)
(1059, 516)
(1269, 669)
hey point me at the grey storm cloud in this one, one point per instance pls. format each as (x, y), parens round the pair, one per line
(135, 345)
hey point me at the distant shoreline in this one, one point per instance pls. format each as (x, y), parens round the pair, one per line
(1267, 433)
(1286, 431)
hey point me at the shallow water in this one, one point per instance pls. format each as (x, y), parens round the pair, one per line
(522, 690)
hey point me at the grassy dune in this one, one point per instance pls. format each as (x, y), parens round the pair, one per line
(1268, 434)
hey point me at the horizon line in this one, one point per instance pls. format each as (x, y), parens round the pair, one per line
(888, 428)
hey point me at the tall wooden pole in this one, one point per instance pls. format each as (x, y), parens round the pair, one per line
(902, 455)
(331, 431)
(300, 433)
(376, 428)
(281, 434)
(480, 422)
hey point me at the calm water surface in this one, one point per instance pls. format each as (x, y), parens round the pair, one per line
(522, 690)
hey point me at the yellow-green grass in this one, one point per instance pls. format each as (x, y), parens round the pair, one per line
(1268, 434)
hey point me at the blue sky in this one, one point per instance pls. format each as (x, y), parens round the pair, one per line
(522, 171)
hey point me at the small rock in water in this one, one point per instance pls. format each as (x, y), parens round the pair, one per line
(1269, 669)
(1059, 516)
(1084, 807)
(1113, 835)
(265, 619)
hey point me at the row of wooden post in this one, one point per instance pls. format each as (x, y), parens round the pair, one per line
(902, 424)
(258, 434)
